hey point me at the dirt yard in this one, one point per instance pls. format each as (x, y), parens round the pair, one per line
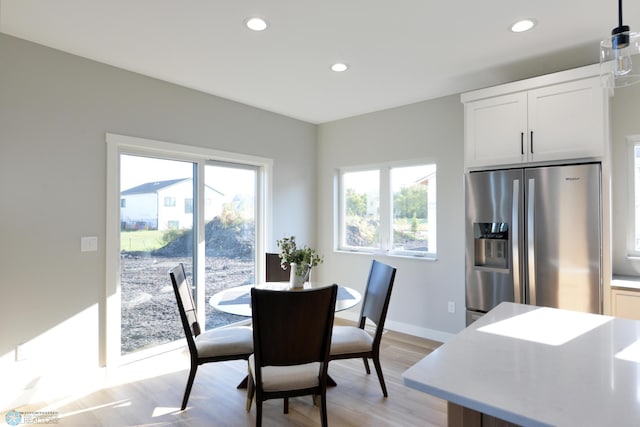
(149, 310)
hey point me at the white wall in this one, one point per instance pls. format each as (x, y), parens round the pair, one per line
(431, 130)
(55, 109)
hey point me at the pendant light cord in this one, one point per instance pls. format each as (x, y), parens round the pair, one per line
(619, 13)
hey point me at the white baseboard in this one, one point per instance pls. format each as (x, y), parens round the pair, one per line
(405, 328)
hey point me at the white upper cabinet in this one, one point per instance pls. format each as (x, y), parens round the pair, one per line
(561, 121)
(495, 130)
(566, 121)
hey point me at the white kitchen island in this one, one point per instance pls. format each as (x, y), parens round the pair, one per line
(536, 366)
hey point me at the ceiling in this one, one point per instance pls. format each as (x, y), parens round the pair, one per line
(399, 51)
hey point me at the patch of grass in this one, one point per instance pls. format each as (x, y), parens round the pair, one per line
(141, 240)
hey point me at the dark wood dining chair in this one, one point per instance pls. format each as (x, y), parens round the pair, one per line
(214, 345)
(348, 342)
(291, 341)
(274, 270)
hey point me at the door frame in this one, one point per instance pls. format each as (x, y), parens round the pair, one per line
(110, 333)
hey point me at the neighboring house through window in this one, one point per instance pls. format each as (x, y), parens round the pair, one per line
(140, 207)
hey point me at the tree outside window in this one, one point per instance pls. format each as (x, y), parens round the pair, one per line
(389, 208)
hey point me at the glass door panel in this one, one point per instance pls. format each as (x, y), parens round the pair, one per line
(230, 233)
(156, 233)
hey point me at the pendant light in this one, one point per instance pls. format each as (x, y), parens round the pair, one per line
(620, 56)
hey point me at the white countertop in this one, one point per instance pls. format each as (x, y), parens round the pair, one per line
(626, 282)
(538, 366)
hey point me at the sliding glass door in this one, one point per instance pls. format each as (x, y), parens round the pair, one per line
(158, 219)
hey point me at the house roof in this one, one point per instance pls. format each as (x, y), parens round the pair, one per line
(155, 186)
(426, 178)
(151, 187)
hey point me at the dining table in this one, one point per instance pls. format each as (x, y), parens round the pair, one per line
(237, 300)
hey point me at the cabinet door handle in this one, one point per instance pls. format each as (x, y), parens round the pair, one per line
(522, 143)
(531, 142)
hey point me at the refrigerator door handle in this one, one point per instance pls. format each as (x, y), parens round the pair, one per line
(515, 242)
(531, 241)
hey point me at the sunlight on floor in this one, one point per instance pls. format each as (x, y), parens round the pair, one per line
(118, 404)
(54, 389)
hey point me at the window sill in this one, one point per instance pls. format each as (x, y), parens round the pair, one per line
(429, 257)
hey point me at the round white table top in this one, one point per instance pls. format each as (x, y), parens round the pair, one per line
(237, 300)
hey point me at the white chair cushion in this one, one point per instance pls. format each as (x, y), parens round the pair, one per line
(225, 341)
(350, 339)
(294, 377)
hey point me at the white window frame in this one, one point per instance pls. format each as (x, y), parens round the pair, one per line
(632, 252)
(386, 214)
(122, 144)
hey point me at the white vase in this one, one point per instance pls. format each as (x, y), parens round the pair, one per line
(296, 280)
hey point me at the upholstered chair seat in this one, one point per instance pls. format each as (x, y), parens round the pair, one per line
(280, 378)
(225, 342)
(350, 339)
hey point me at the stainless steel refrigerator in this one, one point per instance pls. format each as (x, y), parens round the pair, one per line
(534, 236)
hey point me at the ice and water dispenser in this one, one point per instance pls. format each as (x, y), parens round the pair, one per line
(491, 244)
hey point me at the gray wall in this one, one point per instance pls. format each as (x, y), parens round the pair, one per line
(55, 109)
(431, 130)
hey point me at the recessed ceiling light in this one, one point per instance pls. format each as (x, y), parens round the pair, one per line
(256, 24)
(339, 67)
(523, 25)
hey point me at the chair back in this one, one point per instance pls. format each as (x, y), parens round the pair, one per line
(292, 327)
(377, 295)
(186, 306)
(274, 270)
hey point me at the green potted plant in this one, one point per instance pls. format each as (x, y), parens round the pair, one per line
(301, 260)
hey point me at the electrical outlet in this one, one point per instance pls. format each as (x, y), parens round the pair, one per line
(451, 307)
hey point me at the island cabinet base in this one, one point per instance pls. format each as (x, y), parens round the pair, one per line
(459, 416)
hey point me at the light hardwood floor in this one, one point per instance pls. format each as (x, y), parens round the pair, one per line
(149, 392)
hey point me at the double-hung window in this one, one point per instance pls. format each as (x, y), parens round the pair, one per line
(388, 208)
